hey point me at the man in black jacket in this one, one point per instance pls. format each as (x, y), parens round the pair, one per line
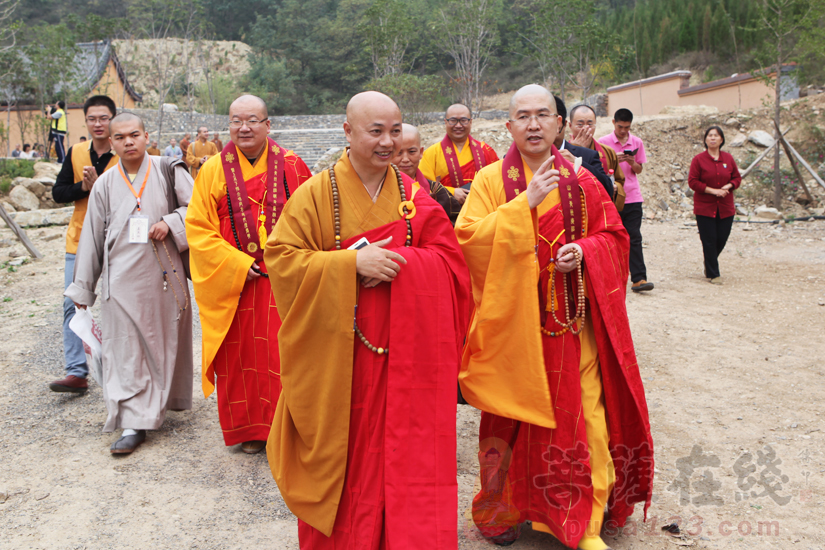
(83, 164)
(590, 158)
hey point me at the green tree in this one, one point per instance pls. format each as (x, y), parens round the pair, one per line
(707, 28)
(468, 34)
(791, 28)
(388, 31)
(567, 41)
(269, 79)
(50, 55)
(415, 95)
(315, 40)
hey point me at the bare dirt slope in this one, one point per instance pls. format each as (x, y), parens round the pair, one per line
(728, 370)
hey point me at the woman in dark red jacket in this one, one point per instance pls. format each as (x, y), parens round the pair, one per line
(713, 177)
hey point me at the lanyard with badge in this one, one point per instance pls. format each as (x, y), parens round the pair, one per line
(138, 224)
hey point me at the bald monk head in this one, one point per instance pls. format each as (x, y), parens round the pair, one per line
(534, 122)
(249, 125)
(409, 154)
(129, 139)
(459, 121)
(373, 130)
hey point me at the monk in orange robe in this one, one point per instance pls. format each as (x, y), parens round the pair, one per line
(455, 160)
(549, 357)
(373, 293)
(238, 197)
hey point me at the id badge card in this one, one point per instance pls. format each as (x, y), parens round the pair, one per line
(138, 229)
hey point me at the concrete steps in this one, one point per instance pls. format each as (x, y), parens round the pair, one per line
(310, 144)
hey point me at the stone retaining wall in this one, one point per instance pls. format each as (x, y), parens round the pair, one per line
(598, 102)
(181, 122)
(310, 136)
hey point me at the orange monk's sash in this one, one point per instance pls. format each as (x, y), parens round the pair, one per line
(248, 240)
(453, 166)
(515, 182)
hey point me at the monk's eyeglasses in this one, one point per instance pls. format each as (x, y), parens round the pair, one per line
(251, 124)
(453, 121)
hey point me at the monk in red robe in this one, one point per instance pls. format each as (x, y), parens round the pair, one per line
(239, 195)
(373, 293)
(455, 160)
(549, 357)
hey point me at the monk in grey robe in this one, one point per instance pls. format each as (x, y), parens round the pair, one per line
(132, 240)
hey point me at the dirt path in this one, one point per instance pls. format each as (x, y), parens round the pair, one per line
(728, 370)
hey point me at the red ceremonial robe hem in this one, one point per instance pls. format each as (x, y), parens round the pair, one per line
(400, 489)
(247, 365)
(548, 472)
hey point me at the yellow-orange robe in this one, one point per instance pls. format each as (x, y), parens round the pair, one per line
(239, 318)
(547, 400)
(196, 152)
(363, 445)
(434, 166)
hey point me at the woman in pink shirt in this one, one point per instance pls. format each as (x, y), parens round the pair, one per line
(713, 177)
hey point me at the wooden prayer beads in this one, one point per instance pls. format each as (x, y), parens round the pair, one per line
(581, 306)
(167, 282)
(407, 243)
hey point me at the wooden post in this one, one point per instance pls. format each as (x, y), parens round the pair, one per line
(20, 234)
(787, 146)
(807, 166)
(760, 157)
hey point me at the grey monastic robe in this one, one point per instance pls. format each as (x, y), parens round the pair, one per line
(147, 340)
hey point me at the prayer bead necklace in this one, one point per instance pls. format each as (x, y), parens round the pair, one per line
(580, 303)
(337, 211)
(166, 282)
(580, 299)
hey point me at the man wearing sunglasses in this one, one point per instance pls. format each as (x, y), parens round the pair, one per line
(455, 160)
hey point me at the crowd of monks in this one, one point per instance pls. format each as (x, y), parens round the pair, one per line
(345, 313)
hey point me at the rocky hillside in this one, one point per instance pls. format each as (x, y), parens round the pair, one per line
(188, 59)
(673, 139)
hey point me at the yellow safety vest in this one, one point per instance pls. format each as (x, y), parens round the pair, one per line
(81, 156)
(60, 124)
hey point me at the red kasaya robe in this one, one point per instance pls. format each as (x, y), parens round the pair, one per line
(548, 478)
(363, 445)
(239, 315)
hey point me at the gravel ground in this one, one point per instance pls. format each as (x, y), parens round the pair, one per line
(730, 370)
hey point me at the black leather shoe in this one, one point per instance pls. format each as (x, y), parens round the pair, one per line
(129, 443)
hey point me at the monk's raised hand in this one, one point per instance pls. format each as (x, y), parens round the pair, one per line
(544, 180)
(375, 264)
(565, 259)
(159, 231)
(460, 195)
